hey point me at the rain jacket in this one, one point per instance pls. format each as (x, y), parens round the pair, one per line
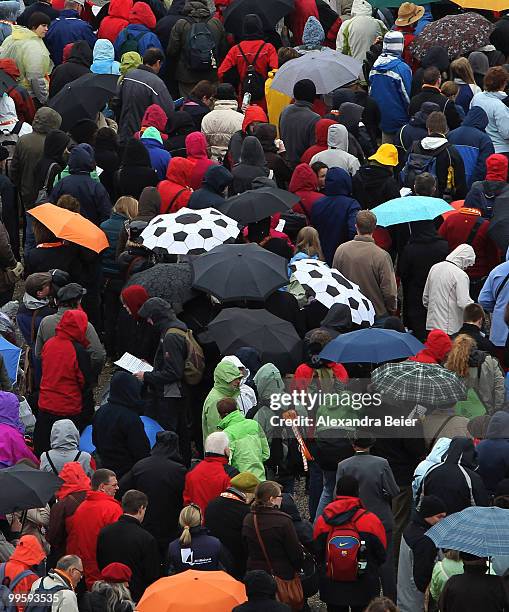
(32, 59)
(154, 117)
(224, 374)
(175, 191)
(104, 58)
(67, 28)
(253, 114)
(94, 200)
(334, 215)
(494, 451)
(471, 135)
(219, 125)
(356, 35)
(12, 442)
(25, 108)
(390, 81)
(141, 22)
(9, 118)
(252, 165)
(374, 184)
(297, 129)
(304, 183)
(159, 156)
(434, 457)
(116, 19)
(493, 298)
(196, 147)
(76, 65)
(492, 102)
(337, 156)
(27, 554)
(97, 511)
(211, 193)
(117, 430)
(438, 345)
(64, 441)
(276, 101)
(207, 479)
(248, 445)
(64, 360)
(321, 132)
(446, 293)
(416, 129)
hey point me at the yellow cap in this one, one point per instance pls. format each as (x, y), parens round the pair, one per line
(387, 155)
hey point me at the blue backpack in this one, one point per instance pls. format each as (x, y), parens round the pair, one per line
(7, 601)
(45, 597)
(469, 155)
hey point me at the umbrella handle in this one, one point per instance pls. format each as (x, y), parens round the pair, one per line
(23, 519)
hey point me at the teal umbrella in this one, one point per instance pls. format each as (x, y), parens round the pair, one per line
(397, 3)
(410, 208)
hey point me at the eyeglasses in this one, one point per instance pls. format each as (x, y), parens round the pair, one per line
(81, 572)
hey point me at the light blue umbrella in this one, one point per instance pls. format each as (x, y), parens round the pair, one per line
(152, 428)
(10, 354)
(477, 530)
(410, 208)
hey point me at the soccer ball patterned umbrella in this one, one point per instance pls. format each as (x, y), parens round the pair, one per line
(329, 287)
(194, 232)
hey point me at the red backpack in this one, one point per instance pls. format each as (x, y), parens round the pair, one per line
(344, 558)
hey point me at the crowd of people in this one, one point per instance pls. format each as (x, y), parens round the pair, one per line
(392, 186)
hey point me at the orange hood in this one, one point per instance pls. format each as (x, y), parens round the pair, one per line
(28, 551)
(74, 478)
(73, 326)
(180, 171)
(254, 113)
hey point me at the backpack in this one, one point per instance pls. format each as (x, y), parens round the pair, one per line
(469, 155)
(194, 365)
(253, 82)
(131, 43)
(52, 465)
(42, 195)
(342, 549)
(418, 163)
(201, 47)
(45, 597)
(9, 140)
(6, 592)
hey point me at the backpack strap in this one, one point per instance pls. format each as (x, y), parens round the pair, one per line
(46, 180)
(175, 198)
(473, 232)
(17, 128)
(77, 456)
(51, 462)
(17, 579)
(439, 431)
(500, 287)
(469, 484)
(262, 545)
(255, 57)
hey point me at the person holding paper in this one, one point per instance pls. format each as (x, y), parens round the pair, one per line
(165, 384)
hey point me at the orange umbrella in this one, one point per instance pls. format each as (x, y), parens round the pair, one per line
(193, 591)
(70, 226)
(486, 5)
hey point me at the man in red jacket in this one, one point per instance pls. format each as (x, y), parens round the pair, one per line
(467, 226)
(210, 477)
(99, 509)
(65, 391)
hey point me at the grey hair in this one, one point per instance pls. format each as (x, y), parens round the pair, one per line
(66, 562)
(217, 442)
(115, 593)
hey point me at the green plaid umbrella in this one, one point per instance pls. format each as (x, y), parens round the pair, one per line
(419, 383)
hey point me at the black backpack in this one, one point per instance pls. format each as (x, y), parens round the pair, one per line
(253, 82)
(201, 47)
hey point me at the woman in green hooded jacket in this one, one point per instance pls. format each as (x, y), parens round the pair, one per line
(227, 378)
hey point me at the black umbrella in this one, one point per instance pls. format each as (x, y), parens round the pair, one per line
(257, 204)
(24, 487)
(276, 340)
(83, 98)
(240, 272)
(6, 82)
(269, 11)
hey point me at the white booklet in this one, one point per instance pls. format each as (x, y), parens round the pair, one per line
(133, 364)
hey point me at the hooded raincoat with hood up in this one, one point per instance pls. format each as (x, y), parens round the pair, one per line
(104, 58)
(334, 215)
(211, 192)
(321, 132)
(434, 457)
(27, 555)
(32, 59)
(63, 361)
(304, 183)
(135, 173)
(116, 19)
(253, 114)
(356, 35)
(196, 147)
(446, 293)
(65, 441)
(154, 117)
(252, 165)
(224, 374)
(76, 66)
(276, 162)
(12, 442)
(117, 430)
(438, 344)
(141, 23)
(159, 156)
(25, 108)
(337, 156)
(176, 190)
(416, 129)
(95, 204)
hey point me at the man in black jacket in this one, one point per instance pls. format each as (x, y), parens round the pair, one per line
(126, 541)
(473, 319)
(166, 387)
(430, 92)
(161, 477)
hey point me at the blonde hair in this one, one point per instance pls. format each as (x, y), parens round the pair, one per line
(459, 355)
(450, 89)
(308, 242)
(463, 70)
(126, 206)
(190, 516)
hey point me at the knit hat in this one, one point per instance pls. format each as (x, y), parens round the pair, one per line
(393, 43)
(36, 282)
(496, 167)
(304, 90)
(116, 572)
(252, 27)
(313, 32)
(386, 154)
(409, 13)
(83, 131)
(134, 297)
(431, 505)
(258, 584)
(245, 482)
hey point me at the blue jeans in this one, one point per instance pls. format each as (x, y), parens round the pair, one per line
(329, 483)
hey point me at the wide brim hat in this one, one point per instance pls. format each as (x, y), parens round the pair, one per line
(409, 13)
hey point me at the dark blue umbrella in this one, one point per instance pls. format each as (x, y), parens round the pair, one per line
(371, 345)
